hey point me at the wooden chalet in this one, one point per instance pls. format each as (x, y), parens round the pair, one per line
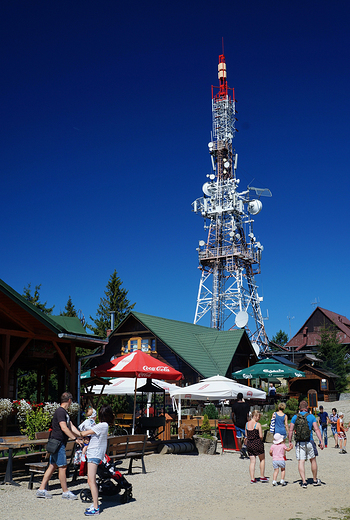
(34, 341)
(302, 349)
(323, 381)
(307, 338)
(196, 351)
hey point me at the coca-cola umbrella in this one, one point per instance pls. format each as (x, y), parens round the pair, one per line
(137, 364)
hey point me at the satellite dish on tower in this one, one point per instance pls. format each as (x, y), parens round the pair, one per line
(241, 319)
(206, 189)
(254, 207)
(256, 348)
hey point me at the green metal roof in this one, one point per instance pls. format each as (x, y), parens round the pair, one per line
(71, 324)
(209, 351)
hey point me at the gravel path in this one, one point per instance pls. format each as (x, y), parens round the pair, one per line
(190, 487)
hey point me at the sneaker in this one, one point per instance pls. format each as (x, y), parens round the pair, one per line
(283, 483)
(274, 483)
(343, 451)
(253, 481)
(69, 495)
(317, 482)
(92, 511)
(304, 485)
(336, 446)
(43, 493)
(264, 479)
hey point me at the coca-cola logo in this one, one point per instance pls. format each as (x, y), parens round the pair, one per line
(156, 369)
(250, 393)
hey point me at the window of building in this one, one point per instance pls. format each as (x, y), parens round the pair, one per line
(147, 345)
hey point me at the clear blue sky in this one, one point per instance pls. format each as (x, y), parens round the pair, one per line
(105, 120)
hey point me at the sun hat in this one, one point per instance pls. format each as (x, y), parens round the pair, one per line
(340, 414)
(94, 414)
(278, 438)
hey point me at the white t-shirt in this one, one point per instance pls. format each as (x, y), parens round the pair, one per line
(87, 424)
(98, 443)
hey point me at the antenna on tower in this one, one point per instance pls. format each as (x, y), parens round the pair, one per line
(315, 302)
(230, 257)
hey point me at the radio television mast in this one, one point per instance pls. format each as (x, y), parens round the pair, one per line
(230, 257)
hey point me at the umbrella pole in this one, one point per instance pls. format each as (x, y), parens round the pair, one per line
(134, 414)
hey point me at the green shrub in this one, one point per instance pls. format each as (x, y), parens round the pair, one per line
(206, 428)
(211, 411)
(36, 421)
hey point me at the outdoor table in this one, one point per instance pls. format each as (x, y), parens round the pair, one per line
(12, 446)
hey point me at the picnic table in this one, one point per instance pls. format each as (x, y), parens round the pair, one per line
(12, 444)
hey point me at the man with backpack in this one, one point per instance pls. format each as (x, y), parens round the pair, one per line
(305, 447)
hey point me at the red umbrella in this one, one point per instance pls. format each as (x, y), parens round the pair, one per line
(137, 364)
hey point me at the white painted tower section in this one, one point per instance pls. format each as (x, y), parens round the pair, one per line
(230, 257)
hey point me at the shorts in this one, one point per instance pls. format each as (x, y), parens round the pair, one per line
(341, 435)
(94, 460)
(278, 464)
(304, 451)
(59, 458)
(240, 432)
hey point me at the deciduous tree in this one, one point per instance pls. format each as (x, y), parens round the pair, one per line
(334, 357)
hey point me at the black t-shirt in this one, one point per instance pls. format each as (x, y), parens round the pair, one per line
(59, 416)
(240, 411)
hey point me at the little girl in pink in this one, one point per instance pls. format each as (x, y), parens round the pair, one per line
(277, 452)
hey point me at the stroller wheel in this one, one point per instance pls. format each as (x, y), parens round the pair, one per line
(125, 497)
(85, 495)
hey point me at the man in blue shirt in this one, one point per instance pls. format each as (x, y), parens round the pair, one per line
(323, 421)
(306, 449)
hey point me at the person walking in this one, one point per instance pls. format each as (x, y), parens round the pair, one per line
(323, 421)
(305, 448)
(255, 446)
(277, 452)
(281, 420)
(240, 415)
(334, 419)
(96, 451)
(341, 433)
(62, 430)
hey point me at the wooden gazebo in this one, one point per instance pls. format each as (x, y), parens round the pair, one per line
(34, 341)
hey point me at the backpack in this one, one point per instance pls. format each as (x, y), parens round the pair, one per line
(301, 428)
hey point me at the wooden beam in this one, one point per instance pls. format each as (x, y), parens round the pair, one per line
(5, 367)
(72, 382)
(19, 351)
(12, 317)
(62, 356)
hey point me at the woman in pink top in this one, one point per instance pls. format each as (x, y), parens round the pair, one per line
(277, 452)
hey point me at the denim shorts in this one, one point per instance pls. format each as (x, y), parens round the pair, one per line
(240, 432)
(59, 458)
(94, 460)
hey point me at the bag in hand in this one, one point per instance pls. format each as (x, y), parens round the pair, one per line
(273, 421)
(53, 445)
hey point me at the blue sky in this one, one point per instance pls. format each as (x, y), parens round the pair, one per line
(105, 119)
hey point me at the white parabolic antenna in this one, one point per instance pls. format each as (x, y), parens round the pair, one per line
(241, 319)
(256, 348)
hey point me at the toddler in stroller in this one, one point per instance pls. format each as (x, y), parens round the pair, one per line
(106, 472)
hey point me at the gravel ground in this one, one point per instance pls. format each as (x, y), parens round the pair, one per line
(191, 487)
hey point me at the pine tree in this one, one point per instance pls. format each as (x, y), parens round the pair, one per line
(35, 299)
(69, 309)
(334, 357)
(115, 300)
(280, 338)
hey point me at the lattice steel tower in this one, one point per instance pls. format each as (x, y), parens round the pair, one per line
(230, 257)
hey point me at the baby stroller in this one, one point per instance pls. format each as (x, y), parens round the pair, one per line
(106, 472)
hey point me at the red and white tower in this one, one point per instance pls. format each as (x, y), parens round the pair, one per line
(230, 256)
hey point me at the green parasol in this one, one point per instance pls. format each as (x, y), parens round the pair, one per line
(266, 368)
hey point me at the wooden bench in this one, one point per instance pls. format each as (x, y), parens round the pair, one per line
(39, 468)
(124, 447)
